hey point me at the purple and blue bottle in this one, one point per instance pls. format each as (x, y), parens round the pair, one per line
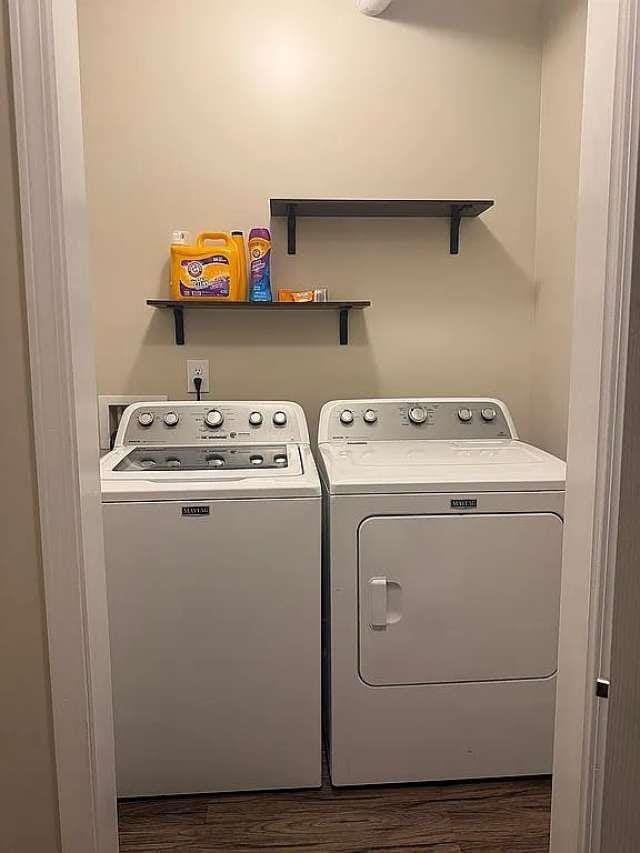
(260, 265)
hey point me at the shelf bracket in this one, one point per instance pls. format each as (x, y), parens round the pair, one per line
(291, 229)
(178, 319)
(454, 239)
(344, 326)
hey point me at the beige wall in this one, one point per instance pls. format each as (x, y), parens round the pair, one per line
(561, 114)
(197, 113)
(28, 805)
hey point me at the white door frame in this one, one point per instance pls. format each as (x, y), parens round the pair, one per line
(606, 219)
(46, 84)
(45, 60)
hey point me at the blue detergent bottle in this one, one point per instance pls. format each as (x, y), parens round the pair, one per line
(260, 265)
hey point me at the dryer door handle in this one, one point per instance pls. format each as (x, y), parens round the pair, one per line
(378, 603)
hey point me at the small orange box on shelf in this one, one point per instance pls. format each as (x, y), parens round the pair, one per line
(295, 295)
(320, 294)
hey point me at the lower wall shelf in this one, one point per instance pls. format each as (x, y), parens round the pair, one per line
(343, 307)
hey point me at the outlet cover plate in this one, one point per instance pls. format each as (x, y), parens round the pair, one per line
(198, 367)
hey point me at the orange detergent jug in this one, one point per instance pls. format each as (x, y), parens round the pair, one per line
(204, 271)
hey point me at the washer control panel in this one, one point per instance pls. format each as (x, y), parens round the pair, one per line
(428, 419)
(175, 423)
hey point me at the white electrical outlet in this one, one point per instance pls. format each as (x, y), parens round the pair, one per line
(198, 368)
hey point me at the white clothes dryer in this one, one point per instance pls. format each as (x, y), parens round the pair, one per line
(212, 518)
(442, 557)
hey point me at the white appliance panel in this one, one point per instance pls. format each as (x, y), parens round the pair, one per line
(458, 598)
(213, 422)
(215, 657)
(420, 466)
(443, 560)
(417, 419)
(417, 732)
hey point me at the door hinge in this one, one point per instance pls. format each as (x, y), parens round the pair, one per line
(602, 688)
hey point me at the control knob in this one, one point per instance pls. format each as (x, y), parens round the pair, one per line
(145, 419)
(489, 414)
(255, 418)
(280, 418)
(171, 419)
(346, 417)
(370, 417)
(417, 415)
(214, 418)
(465, 415)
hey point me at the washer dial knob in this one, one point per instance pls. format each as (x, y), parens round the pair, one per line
(214, 418)
(280, 418)
(145, 419)
(417, 415)
(465, 415)
(171, 419)
(489, 415)
(255, 418)
(346, 417)
(370, 417)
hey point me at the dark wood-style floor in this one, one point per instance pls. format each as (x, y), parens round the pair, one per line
(476, 817)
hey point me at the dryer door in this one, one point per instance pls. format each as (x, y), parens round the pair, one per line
(453, 598)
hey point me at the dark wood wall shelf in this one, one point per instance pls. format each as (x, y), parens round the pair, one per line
(453, 210)
(178, 307)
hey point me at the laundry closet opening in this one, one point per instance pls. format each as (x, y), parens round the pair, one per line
(334, 512)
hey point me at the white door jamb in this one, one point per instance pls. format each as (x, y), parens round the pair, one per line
(46, 84)
(606, 212)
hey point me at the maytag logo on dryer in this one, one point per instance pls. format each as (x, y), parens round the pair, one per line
(195, 511)
(464, 503)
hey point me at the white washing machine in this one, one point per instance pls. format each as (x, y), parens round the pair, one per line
(212, 517)
(442, 562)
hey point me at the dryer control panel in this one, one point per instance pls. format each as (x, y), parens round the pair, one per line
(180, 424)
(415, 419)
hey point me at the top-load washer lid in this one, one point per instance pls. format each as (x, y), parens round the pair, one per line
(195, 451)
(430, 445)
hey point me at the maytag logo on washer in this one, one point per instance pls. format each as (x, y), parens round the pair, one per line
(464, 503)
(191, 511)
